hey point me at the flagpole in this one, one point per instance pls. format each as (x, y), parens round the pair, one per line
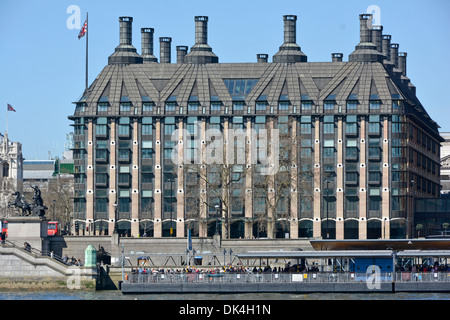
(6, 131)
(87, 43)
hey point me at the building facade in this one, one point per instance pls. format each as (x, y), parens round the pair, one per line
(314, 149)
(11, 172)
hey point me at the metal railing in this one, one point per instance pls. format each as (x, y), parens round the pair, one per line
(33, 251)
(250, 277)
(320, 277)
(423, 276)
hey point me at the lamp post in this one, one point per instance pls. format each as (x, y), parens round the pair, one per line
(53, 217)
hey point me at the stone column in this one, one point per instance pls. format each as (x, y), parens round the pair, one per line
(248, 233)
(203, 223)
(271, 214)
(158, 183)
(90, 177)
(135, 195)
(180, 184)
(113, 199)
(385, 200)
(362, 183)
(293, 230)
(317, 223)
(340, 183)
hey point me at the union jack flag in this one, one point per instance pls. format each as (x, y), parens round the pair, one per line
(83, 30)
(10, 108)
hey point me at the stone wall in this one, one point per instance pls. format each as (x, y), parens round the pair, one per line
(76, 245)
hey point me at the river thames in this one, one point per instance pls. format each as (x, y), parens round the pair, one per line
(117, 295)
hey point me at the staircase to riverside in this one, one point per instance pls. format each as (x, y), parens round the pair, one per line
(32, 256)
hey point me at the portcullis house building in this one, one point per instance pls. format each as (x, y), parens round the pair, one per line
(348, 143)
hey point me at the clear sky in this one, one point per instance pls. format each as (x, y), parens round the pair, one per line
(42, 62)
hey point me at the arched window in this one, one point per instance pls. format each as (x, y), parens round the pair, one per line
(5, 170)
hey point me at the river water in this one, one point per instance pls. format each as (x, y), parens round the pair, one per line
(117, 295)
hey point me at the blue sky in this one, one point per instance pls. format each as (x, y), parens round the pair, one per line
(42, 63)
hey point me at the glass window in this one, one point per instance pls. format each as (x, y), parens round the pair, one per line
(305, 128)
(351, 203)
(283, 106)
(351, 153)
(328, 143)
(374, 203)
(193, 106)
(328, 128)
(397, 104)
(215, 106)
(328, 105)
(147, 107)
(147, 129)
(328, 119)
(306, 105)
(124, 205)
(351, 176)
(352, 105)
(169, 129)
(374, 105)
(351, 128)
(374, 128)
(102, 107)
(101, 204)
(101, 129)
(124, 107)
(261, 106)
(238, 106)
(124, 130)
(328, 152)
(170, 106)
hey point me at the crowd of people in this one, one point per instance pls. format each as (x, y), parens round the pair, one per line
(72, 261)
(423, 268)
(226, 269)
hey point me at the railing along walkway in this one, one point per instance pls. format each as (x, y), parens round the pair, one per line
(320, 277)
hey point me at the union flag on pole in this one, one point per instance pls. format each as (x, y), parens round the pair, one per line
(10, 108)
(83, 30)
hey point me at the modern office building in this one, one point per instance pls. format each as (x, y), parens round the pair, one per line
(348, 144)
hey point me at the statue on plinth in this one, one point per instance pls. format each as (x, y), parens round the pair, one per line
(36, 208)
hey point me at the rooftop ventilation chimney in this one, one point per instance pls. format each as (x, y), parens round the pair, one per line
(394, 54)
(365, 51)
(402, 62)
(336, 57)
(201, 52)
(181, 53)
(125, 53)
(386, 41)
(377, 37)
(262, 57)
(165, 49)
(147, 45)
(290, 51)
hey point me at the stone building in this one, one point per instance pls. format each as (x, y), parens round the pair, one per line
(354, 146)
(11, 172)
